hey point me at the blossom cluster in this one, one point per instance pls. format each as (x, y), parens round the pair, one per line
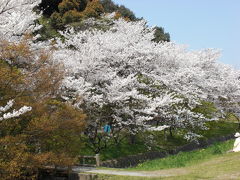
(14, 113)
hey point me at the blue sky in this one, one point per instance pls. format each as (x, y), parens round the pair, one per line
(197, 23)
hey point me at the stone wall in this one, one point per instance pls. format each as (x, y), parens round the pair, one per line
(133, 160)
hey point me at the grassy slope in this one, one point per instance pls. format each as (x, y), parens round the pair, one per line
(183, 159)
(225, 167)
(222, 167)
(219, 128)
(210, 163)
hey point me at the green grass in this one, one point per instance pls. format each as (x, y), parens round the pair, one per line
(209, 163)
(124, 149)
(219, 128)
(140, 146)
(216, 129)
(158, 143)
(184, 159)
(109, 177)
(222, 167)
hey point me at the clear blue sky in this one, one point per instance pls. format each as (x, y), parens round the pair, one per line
(197, 23)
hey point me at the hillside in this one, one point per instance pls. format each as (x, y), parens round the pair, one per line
(57, 15)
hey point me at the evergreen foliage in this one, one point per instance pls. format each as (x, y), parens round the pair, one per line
(161, 35)
(109, 7)
(64, 12)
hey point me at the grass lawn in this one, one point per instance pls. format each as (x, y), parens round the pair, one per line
(209, 163)
(183, 159)
(224, 167)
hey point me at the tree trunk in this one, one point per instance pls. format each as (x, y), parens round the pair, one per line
(132, 139)
(170, 132)
(165, 134)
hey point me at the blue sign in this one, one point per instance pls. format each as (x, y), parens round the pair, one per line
(107, 128)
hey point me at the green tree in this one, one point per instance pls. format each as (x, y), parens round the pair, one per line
(160, 35)
(67, 5)
(93, 9)
(70, 11)
(127, 13)
(109, 7)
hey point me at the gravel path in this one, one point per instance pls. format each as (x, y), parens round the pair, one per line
(162, 173)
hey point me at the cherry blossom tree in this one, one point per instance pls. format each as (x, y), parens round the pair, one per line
(17, 17)
(121, 78)
(126, 80)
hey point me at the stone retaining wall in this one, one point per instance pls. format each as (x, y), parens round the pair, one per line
(133, 160)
